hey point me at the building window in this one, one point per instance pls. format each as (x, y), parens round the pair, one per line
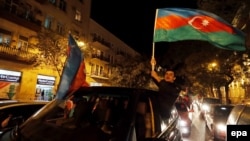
(96, 69)
(78, 16)
(92, 68)
(59, 28)
(98, 53)
(48, 22)
(52, 2)
(101, 70)
(22, 43)
(5, 40)
(62, 5)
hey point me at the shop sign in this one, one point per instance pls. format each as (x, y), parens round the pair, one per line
(9, 78)
(45, 80)
(41, 81)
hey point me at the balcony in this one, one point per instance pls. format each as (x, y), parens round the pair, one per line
(99, 76)
(102, 58)
(100, 42)
(20, 18)
(15, 55)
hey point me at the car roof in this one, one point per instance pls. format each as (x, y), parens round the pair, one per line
(239, 115)
(22, 104)
(7, 100)
(112, 90)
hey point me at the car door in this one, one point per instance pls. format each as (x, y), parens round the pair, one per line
(18, 112)
(155, 127)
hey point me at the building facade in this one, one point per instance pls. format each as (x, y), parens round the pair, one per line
(106, 50)
(22, 20)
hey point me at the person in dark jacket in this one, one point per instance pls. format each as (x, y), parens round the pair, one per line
(168, 90)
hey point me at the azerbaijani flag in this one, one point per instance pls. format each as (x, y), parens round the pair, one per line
(175, 24)
(73, 75)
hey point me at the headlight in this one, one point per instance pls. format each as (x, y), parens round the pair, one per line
(205, 107)
(183, 123)
(221, 127)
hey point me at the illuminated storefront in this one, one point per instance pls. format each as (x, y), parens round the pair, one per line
(44, 87)
(9, 83)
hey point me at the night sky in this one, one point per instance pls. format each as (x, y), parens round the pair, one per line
(131, 21)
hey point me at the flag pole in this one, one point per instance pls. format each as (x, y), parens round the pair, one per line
(153, 47)
(153, 55)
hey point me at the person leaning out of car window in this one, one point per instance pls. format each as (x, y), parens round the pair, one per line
(168, 90)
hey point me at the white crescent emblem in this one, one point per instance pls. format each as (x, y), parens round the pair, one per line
(200, 24)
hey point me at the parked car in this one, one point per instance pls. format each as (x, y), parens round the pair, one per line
(100, 113)
(13, 114)
(216, 119)
(185, 118)
(239, 115)
(206, 103)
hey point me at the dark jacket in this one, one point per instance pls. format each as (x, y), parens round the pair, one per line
(168, 93)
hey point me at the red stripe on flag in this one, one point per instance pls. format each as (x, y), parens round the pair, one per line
(68, 51)
(170, 22)
(201, 23)
(80, 78)
(211, 24)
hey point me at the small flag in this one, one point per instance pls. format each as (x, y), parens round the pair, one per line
(72, 69)
(175, 24)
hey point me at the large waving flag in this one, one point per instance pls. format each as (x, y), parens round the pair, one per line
(73, 75)
(175, 24)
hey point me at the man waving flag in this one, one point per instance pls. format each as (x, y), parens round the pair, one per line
(175, 24)
(73, 75)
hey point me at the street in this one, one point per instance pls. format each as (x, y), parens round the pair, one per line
(199, 130)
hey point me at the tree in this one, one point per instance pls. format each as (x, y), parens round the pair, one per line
(51, 49)
(196, 57)
(134, 72)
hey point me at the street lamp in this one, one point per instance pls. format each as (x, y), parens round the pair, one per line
(212, 66)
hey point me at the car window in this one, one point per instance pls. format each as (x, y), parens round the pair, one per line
(96, 109)
(17, 114)
(244, 117)
(143, 119)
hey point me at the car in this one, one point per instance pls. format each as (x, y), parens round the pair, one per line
(216, 119)
(240, 115)
(100, 113)
(206, 103)
(6, 101)
(13, 114)
(185, 118)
